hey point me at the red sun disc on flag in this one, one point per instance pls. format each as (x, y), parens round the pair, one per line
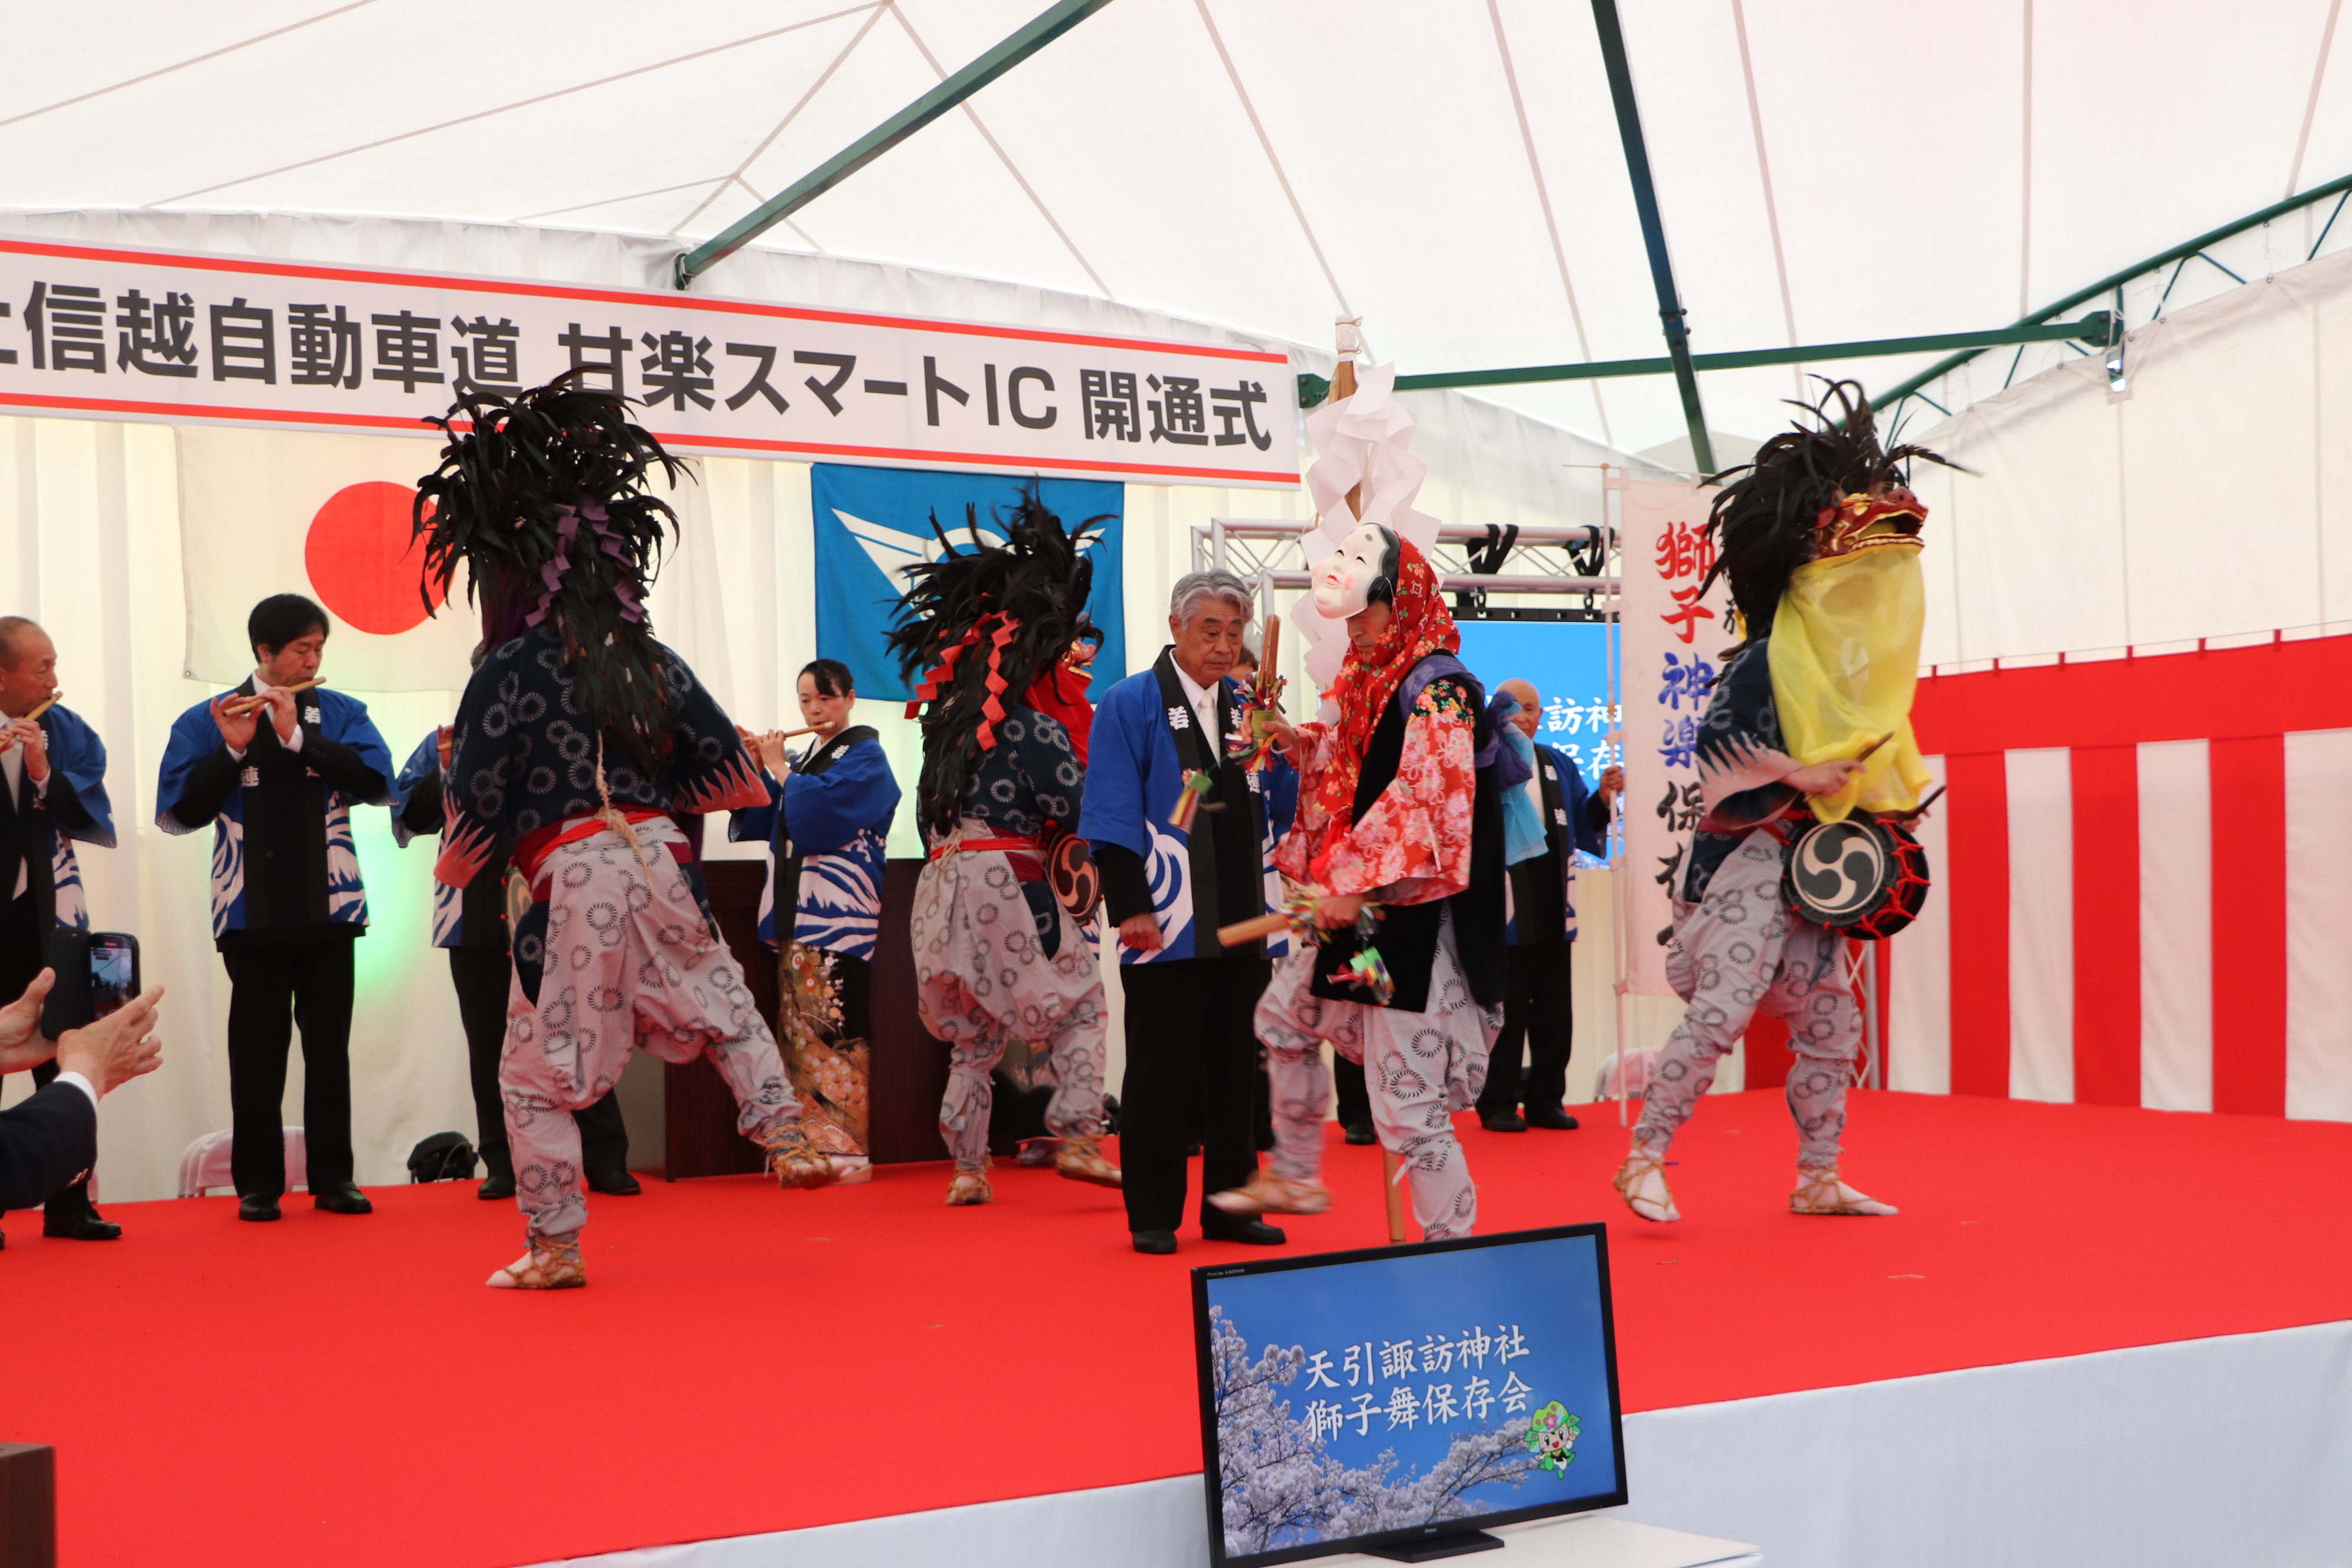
(364, 560)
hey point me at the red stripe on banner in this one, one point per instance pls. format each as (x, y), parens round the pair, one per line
(2303, 684)
(2248, 791)
(1976, 839)
(2106, 924)
(665, 301)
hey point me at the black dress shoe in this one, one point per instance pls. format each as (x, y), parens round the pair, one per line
(81, 1225)
(1248, 1232)
(1550, 1117)
(497, 1184)
(346, 1199)
(1362, 1135)
(616, 1184)
(1153, 1243)
(257, 1206)
(1508, 1122)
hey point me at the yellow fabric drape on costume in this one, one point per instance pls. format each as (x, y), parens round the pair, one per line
(1845, 656)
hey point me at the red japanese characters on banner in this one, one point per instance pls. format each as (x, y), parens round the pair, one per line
(1674, 637)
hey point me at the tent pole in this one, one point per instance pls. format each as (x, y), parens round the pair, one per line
(1653, 232)
(1042, 29)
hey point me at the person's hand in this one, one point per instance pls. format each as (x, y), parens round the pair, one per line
(282, 718)
(236, 728)
(1613, 783)
(118, 1047)
(1281, 731)
(28, 734)
(445, 740)
(772, 755)
(21, 1045)
(1824, 778)
(1140, 933)
(1333, 910)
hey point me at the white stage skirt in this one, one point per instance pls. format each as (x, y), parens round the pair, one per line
(2200, 1453)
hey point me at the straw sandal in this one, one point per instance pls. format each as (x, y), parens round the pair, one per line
(1818, 1191)
(1267, 1192)
(1081, 1160)
(970, 1188)
(544, 1268)
(1642, 1182)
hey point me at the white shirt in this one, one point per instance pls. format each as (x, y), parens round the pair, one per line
(263, 688)
(1204, 699)
(79, 1082)
(11, 773)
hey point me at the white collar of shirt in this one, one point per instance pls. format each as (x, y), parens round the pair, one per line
(263, 688)
(12, 773)
(1204, 699)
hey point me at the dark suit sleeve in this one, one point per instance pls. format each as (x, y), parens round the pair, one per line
(45, 1144)
(342, 766)
(1125, 882)
(422, 814)
(208, 785)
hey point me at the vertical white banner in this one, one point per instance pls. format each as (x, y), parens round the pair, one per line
(1674, 644)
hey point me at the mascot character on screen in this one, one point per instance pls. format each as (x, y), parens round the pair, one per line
(1399, 844)
(1809, 723)
(1002, 948)
(578, 740)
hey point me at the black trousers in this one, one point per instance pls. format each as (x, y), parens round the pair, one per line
(481, 976)
(273, 991)
(1538, 1026)
(1355, 1098)
(1190, 1045)
(21, 960)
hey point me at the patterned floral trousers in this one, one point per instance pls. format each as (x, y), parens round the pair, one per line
(981, 979)
(1743, 952)
(630, 959)
(1420, 1067)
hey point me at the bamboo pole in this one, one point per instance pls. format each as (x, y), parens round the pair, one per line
(1389, 1172)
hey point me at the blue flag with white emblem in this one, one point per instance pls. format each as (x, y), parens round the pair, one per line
(871, 522)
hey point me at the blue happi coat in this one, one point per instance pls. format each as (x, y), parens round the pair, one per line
(72, 806)
(831, 814)
(416, 812)
(1133, 777)
(195, 738)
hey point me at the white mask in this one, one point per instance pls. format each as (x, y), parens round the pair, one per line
(1344, 579)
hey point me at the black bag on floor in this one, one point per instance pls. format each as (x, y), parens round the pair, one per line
(444, 1157)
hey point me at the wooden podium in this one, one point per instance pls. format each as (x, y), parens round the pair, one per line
(691, 1130)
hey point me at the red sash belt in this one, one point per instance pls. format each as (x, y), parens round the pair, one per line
(1020, 854)
(536, 846)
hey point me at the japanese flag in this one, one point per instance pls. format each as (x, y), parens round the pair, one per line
(271, 511)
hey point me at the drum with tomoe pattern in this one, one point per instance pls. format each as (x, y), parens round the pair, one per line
(1864, 877)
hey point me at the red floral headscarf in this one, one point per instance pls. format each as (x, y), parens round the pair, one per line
(1368, 682)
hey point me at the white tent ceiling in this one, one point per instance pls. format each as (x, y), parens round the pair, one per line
(1450, 170)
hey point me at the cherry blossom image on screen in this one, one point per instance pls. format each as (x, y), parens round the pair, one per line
(1392, 1394)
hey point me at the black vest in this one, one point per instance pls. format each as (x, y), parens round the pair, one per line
(1226, 846)
(1407, 935)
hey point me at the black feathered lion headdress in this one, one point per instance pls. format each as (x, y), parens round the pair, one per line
(544, 497)
(978, 624)
(1811, 493)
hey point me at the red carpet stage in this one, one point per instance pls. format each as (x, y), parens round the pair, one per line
(344, 1390)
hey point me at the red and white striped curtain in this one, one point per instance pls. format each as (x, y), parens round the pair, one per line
(2143, 884)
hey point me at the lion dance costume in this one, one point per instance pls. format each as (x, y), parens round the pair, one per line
(577, 741)
(997, 955)
(1820, 540)
(1400, 804)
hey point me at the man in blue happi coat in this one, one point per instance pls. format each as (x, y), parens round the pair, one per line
(276, 782)
(1190, 1043)
(54, 769)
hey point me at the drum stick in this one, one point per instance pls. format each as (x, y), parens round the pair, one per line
(238, 706)
(9, 740)
(1240, 932)
(1396, 1195)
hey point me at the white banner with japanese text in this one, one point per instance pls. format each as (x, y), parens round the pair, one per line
(104, 333)
(1673, 643)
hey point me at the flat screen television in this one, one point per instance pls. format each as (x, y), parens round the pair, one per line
(1398, 1401)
